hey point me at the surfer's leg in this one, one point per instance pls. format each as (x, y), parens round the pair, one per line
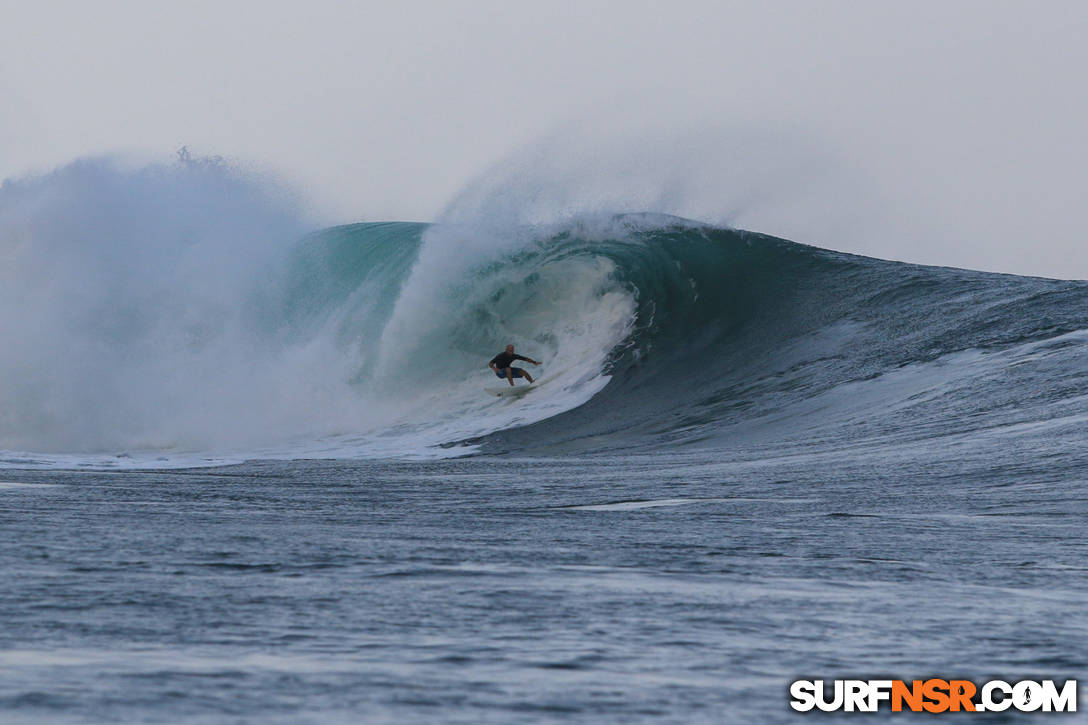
(525, 374)
(510, 376)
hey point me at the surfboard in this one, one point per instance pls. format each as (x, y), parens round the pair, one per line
(505, 391)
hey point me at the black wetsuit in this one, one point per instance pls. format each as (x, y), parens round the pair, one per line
(504, 359)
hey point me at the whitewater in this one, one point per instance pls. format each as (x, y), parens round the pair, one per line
(250, 472)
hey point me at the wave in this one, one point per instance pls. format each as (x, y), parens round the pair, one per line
(744, 339)
(172, 315)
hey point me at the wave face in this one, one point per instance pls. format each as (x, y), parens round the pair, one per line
(741, 339)
(171, 315)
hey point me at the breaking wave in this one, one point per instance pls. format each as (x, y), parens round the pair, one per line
(180, 313)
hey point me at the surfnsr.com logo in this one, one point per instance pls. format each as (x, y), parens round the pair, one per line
(933, 695)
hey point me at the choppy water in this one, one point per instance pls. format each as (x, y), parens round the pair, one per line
(672, 587)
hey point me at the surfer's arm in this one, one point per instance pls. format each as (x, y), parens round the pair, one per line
(527, 359)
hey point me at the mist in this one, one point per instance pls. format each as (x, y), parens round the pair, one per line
(940, 133)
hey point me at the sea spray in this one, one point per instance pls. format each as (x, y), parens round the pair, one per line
(182, 310)
(133, 302)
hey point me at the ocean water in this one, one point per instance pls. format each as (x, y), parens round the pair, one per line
(250, 473)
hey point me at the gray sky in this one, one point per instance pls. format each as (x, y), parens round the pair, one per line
(941, 132)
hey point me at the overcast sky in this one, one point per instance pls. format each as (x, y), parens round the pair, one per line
(944, 132)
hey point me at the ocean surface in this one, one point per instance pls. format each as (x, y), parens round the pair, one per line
(250, 474)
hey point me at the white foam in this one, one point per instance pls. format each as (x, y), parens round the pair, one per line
(636, 505)
(17, 484)
(423, 390)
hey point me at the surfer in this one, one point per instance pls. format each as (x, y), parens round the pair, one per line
(501, 365)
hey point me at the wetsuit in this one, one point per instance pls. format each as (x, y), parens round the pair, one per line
(503, 361)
